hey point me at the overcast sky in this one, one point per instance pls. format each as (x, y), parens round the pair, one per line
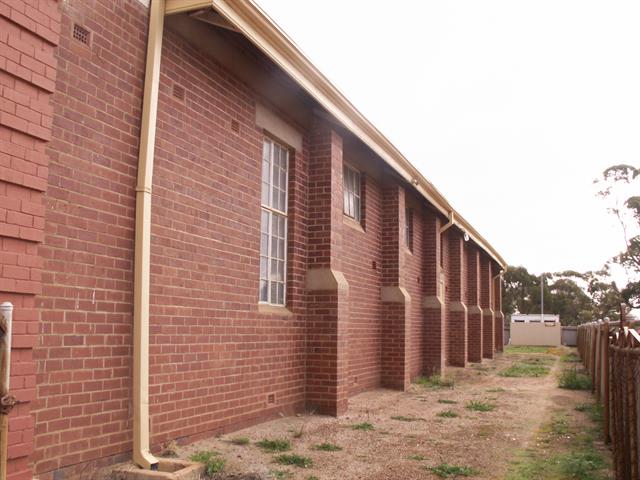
(510, 108)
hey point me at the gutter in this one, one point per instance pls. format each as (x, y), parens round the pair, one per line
(252, 22)
(142, 260)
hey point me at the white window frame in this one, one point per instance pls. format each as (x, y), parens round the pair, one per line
(408, 228)
(352, 193)
(274, 207)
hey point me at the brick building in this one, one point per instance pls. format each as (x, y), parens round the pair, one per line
(199, 232)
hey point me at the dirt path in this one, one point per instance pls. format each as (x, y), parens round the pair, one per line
(410, 434)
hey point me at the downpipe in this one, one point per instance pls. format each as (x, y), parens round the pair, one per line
(142, 262)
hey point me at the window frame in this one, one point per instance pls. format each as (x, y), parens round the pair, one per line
(408, 228)
(357, 175)
(274, 211)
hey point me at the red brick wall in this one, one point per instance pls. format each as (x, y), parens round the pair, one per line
(83, 357)
(457, 289)
(215, 358)
(29, 32)
(414, 283)
(362, 265)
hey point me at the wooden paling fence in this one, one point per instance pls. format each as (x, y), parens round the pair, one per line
(610, 352)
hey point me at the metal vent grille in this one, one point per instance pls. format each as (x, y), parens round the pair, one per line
(235, 126)
(81, 34)
(178, 92)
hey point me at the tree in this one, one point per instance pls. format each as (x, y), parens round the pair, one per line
(620, 183)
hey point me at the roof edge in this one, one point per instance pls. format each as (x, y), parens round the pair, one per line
(262, 31)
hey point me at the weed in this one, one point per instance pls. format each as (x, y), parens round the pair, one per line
(448, 402)
(240, 441)
(280, 474)
(417, 457)
(170, 449)
(364, 426)
(477, 406)
(445, 470)
(593, 410)
(278, 445)
(560, 425)
(402, 418)
(448, 414)
(328, 447)
(211, 460)
(495, 390)
(523, 369)
(571, 379)
(435, 381)
(312, 477)
(581, 465)
(295, 460)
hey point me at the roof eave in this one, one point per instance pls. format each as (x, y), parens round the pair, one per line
(263, 32)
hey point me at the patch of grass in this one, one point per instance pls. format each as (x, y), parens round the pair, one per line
(526, 349)
(211, 460)
(571, 379)
(418, 457)
(402, 418)
(364, 426)
(495, 390)
(278, 445)
(446, 401)
(581, 465)
(448, 414)
(327, 447)
(295, 460)
(593, 410)
(435, 381)
(240, 441)
(560, 425)
(477, 406)
(445, 470)
(570, 358)
(523, 369)
(280, 474)
(572, 465)
(312, 477)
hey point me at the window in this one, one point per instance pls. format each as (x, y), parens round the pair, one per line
(351, 192)
(273, 232)
(408, 228)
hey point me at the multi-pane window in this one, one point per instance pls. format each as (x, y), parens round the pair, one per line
(273, 233)
(408, 228)
(351, 192)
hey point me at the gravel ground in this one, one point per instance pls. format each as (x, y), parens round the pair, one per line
(405, 447)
